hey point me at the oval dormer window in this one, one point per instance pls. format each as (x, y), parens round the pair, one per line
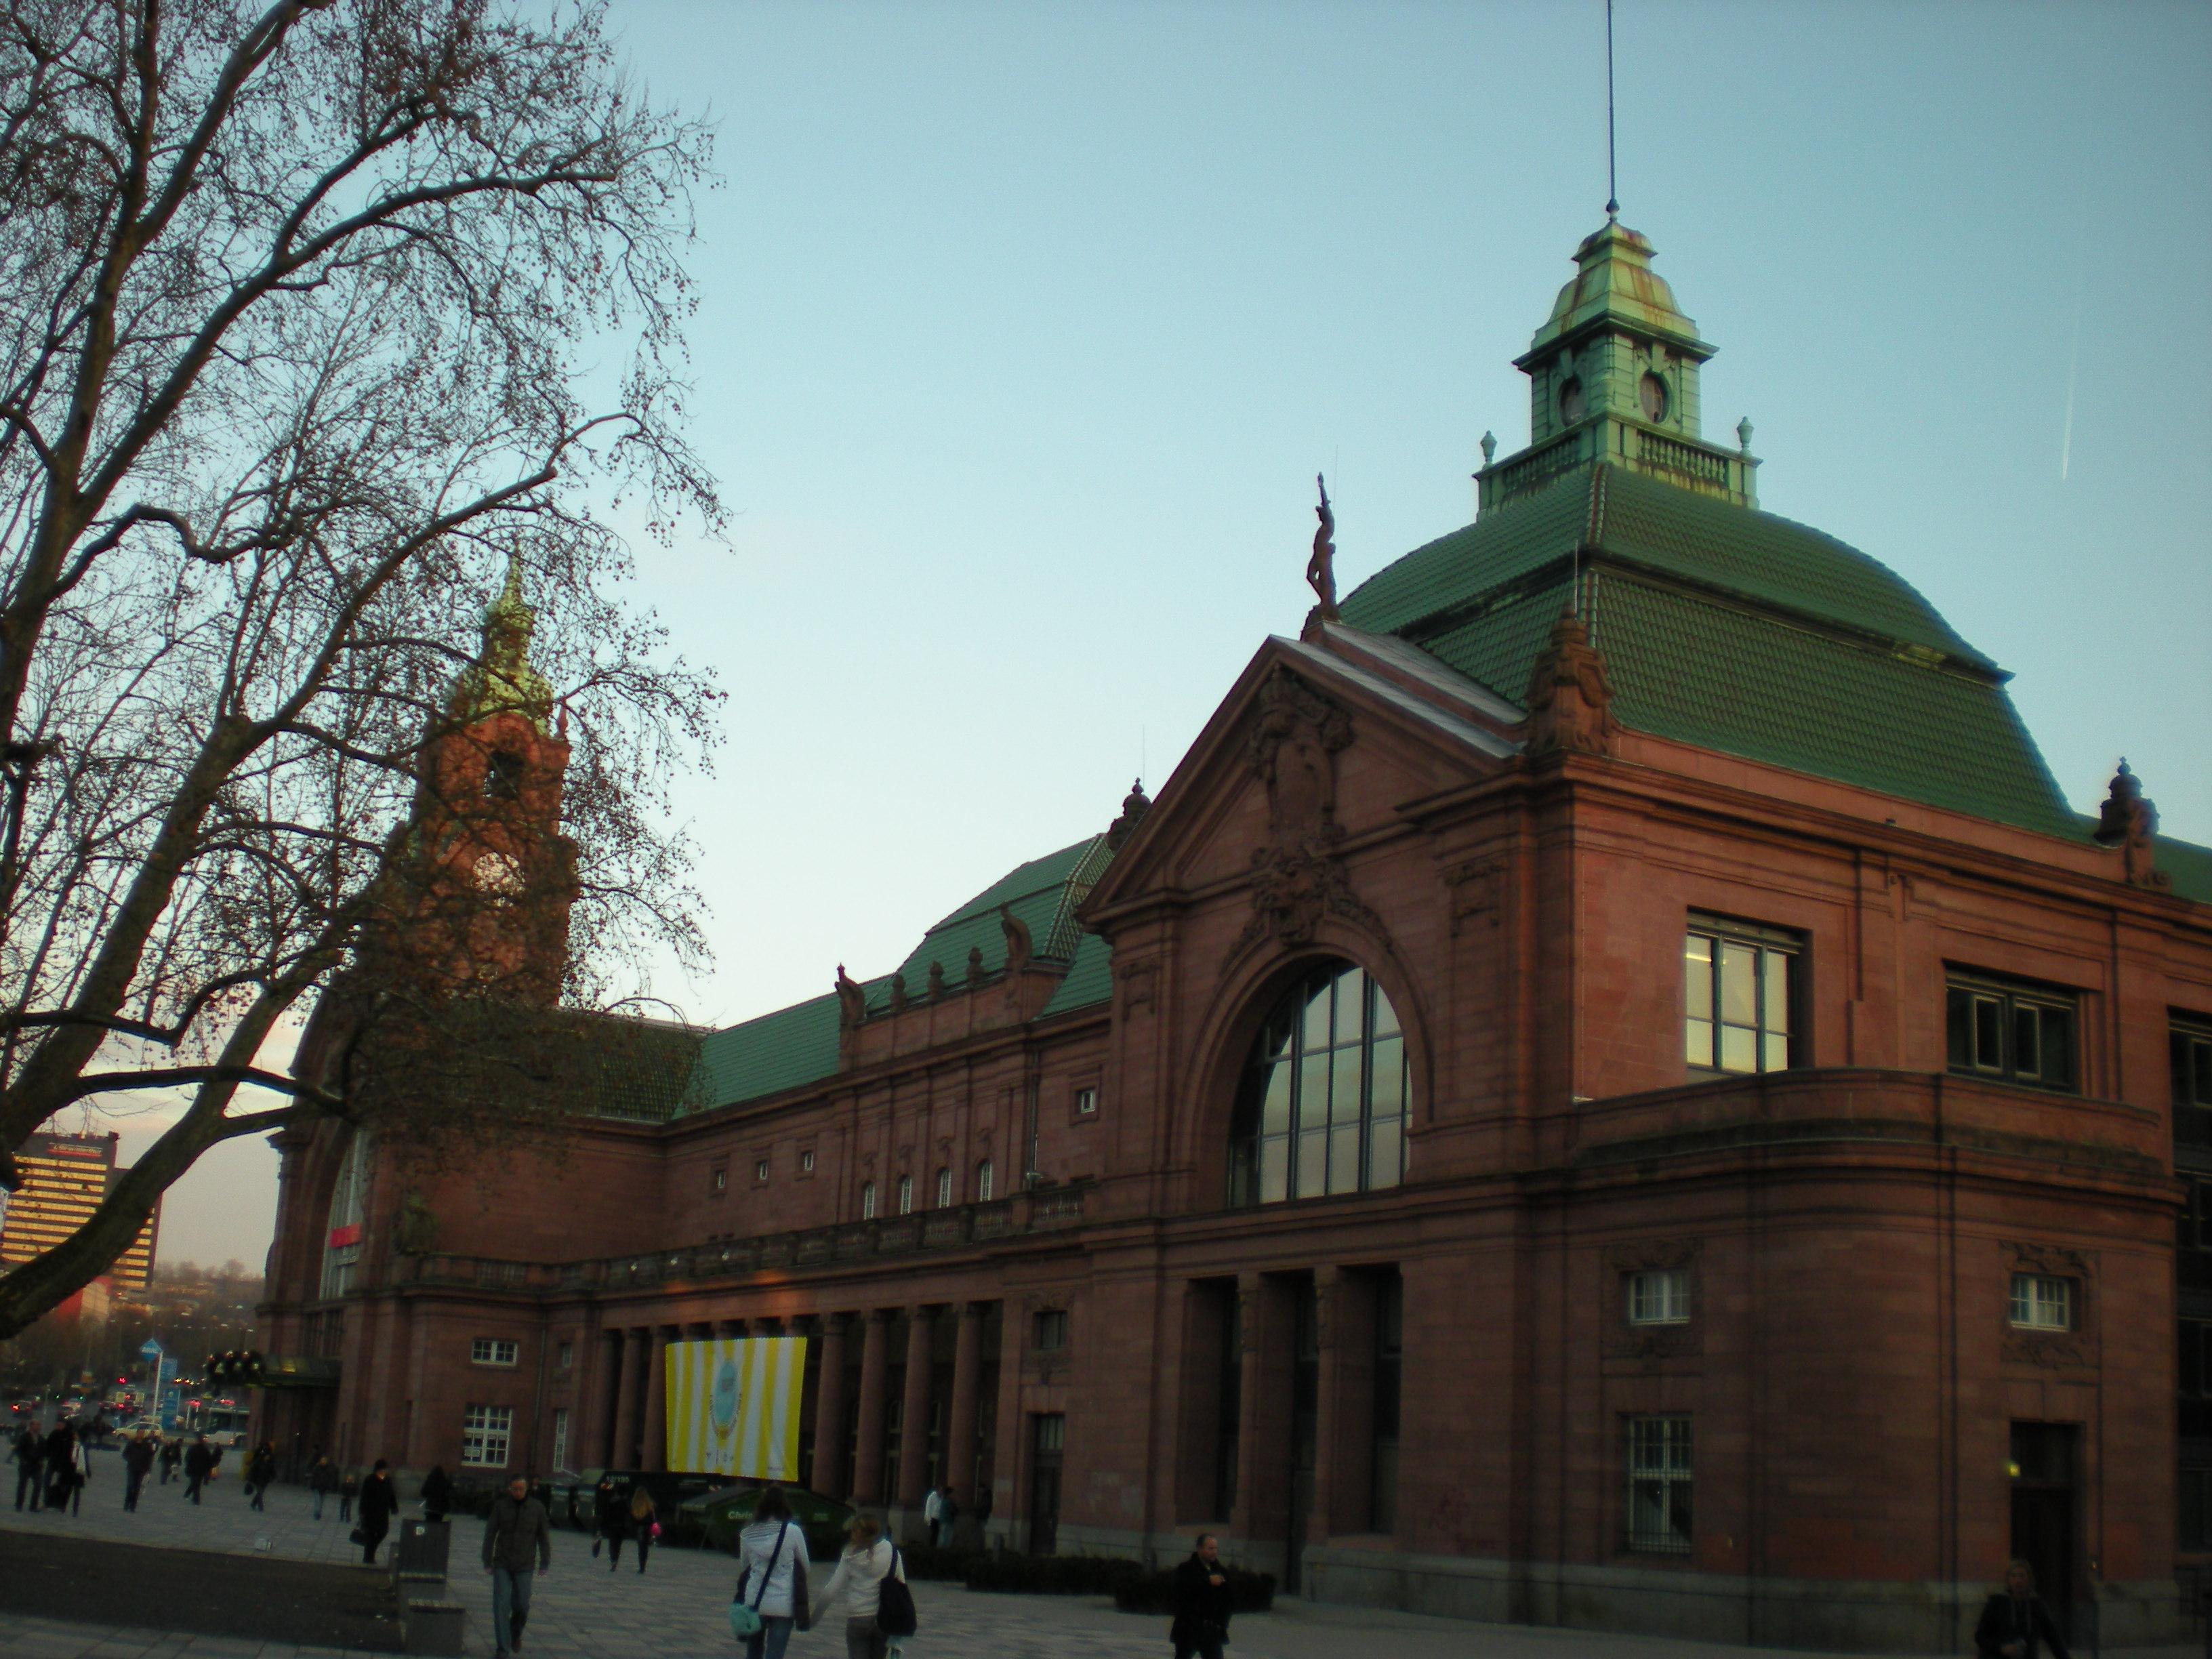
(1571, 400)
(1653, 392)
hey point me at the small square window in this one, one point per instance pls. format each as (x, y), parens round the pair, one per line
(1051, 1332)
(2042, 1302)
(494, 1351)
(1659, 1296)
(760, 1173)
(1086, 1103)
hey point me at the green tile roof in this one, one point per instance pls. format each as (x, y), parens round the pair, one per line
(1089, 979)
(1042, 893)
(786, 1049)
(1730, 628)
(2187, 865)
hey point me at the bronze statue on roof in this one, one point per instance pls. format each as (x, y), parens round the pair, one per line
(1321, 570)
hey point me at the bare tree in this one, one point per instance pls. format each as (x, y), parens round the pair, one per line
(317, 318)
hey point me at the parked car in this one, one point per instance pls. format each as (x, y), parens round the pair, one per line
(721, 1514)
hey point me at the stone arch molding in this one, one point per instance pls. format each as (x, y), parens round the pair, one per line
(1248, 986)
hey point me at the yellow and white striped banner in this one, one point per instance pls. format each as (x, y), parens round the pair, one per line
(733, 1406)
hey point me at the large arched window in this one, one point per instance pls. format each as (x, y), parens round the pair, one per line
(349, 1203)
(1322, 1105)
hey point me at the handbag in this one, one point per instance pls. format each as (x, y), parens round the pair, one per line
(746, 1620)
(357, 1536)
(895, 1614)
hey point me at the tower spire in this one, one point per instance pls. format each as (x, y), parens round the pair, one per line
(502, 677)
(1611, 181)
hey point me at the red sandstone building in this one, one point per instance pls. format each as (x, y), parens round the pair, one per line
(1609, 1088)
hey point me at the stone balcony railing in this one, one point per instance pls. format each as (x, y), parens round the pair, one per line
(1043, 1210)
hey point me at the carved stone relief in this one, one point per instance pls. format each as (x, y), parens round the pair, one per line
(1474, 889)
(1298, 878)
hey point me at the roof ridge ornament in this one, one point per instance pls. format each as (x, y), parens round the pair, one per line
(2128, 820)
(1570, 697)
(1321, 568)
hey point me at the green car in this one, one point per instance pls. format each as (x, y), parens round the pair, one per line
(723, 1513)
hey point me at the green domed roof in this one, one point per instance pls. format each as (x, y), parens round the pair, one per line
(1730, 628)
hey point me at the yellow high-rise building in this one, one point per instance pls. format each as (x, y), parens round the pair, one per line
(64, 1179)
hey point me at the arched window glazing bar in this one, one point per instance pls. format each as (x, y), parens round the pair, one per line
(1322, 1105)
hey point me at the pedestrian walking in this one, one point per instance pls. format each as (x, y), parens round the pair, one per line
(772, 1576)
(2015, 1624)
(948, 1512)
(613, 1526)
(173, 1456)
(869, 1559)
(437, 1493)
(379, 1502)
(138, 1464)
(518, 1537)
(261, 1473)
(67, 1471)
(199, 1463)
(322, 1481)
(1200, 1602)
(644, 1523)
(603, 1502)
(349, 1489)
(933, 1507)
(30, 1459)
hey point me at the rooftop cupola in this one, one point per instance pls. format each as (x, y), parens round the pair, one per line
(502, 677)
(1613, 377)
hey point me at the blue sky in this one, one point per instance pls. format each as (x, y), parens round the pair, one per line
(1024, 329)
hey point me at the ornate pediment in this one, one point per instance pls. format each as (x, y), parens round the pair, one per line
(1297, 878)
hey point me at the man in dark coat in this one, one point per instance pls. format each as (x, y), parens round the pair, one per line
(173, 1457)
(2015, 1624)
(199, 1463)
(517, 1540)
(1201, 1603)
(379, 1502)
(138, 1464)
(30, 1455)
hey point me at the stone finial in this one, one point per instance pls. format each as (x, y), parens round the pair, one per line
(1134, 806)
(1569, 698)
(1020, 945)
(936, 981)
(1743, 434)
(975, 965)
(899, 998)
(2128, 821)
(852, 1001)
(1489, 448)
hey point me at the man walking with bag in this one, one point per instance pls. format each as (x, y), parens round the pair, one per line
(518, 1541)
(1201, 1603)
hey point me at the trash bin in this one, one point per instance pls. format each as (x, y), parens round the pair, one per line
(424, 1547)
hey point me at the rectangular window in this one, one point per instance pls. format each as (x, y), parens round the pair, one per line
(1389, 1363)
(868, 1200)
(2195, 1490)
(2010, 1031)
(1659, 1296)
(1051, 1330)
(718, 1179)
(2188, 1044)
(485, 1432)
(906, 1194)
(2042, 1302)
(944, 1189)
(806, 1162)
(1659, 1469)
(1738, 992)
(983, 1182)
(560, 1437)
(564, 1357)
(1086, 1103)
(760, 1173)
(494, 1351)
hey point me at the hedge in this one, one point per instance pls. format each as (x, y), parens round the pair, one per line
(1154, 1592)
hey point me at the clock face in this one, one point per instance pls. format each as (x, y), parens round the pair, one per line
(495, 872)
(1653, 390)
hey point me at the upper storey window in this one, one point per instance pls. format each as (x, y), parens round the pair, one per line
(2009, 1030)
(1322, 1104)
(503, 776)
(2189, 1046)
(1739, 991)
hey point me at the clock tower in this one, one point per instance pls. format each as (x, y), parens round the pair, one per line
(499, 877)
(1613, 377)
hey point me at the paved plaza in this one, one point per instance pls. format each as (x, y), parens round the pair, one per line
(582, 1611)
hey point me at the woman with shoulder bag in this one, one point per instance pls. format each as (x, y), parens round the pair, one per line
(770, 1600)
(644, 1523)
(869, 1559)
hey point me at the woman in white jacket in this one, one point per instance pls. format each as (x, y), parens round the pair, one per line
(861, 1570)
(772, 1580)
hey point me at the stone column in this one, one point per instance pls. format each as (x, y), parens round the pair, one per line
(913, 1452)
(828, 1474)
(623, 1389)
(1331, 1293)
(960, 1417)
(1251, 1446)
(875, 1367)
(656, 1397)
